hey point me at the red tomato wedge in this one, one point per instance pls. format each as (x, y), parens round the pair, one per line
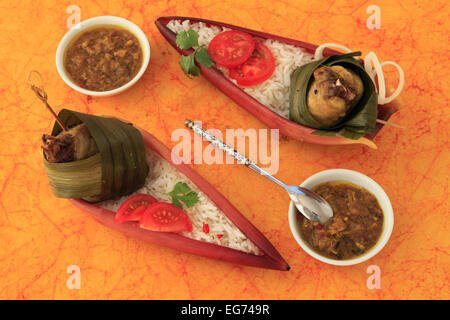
(165, 217)
(257, 69)
(133, 208)
(231, 48)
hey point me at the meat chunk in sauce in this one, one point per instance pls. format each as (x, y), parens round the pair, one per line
(103, 58)
(355, 227)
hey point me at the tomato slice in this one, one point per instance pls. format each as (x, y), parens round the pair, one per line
(165, 217)
(231, 48)
(133, 208)
(257, 69)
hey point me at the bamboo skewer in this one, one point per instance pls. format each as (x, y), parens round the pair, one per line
(389, 124)
(42, 95)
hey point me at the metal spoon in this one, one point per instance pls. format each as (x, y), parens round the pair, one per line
(310, 204)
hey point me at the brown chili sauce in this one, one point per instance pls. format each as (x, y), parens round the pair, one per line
(103, 58)
(356, 225)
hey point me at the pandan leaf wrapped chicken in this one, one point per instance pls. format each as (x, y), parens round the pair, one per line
(95, 159)
(334, 95)
(72, 145)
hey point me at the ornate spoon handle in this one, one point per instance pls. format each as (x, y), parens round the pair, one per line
(226, 148)
(217, 142)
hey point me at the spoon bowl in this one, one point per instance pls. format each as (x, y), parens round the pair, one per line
(310, 204)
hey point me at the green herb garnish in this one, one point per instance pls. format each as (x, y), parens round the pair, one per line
(188, 65)
(203, 57)
(182, 193)
(187, 40)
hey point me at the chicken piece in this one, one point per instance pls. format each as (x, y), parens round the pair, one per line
(333, 93)
(58, 149)
(355, 228)
(337, 225)
(71, 145)
(324, 244)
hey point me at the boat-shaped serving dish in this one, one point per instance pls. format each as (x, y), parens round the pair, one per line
(268, 256)
(261, 112)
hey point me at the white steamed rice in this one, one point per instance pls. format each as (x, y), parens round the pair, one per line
(274, 92)
(162, 179)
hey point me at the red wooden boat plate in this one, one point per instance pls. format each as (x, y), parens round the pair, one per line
(260, 111)
(269, 259)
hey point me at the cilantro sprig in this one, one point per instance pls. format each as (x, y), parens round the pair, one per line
(182, 193)
(187, 40)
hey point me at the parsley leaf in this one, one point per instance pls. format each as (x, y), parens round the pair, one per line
(187, 39)
(182, 193)
(181, 187)
(188, 65)
(176, 202)
(203, 57)
(189, 199)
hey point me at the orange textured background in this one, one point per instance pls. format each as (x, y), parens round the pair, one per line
(40, 235)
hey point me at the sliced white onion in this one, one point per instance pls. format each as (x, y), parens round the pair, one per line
(376, 70)
(368, 66)
(319, 51)
(401, 81)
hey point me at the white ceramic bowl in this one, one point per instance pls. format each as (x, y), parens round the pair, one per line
(102, 21)
(360, 180)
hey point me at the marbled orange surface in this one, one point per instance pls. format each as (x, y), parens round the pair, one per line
(40, 235)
